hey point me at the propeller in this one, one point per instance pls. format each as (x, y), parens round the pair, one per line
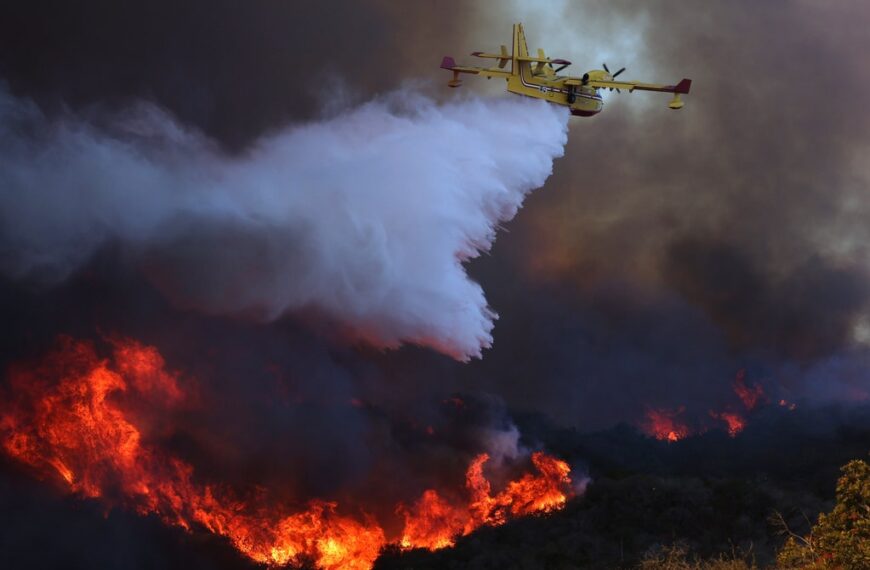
(558, 69)
(613, 75)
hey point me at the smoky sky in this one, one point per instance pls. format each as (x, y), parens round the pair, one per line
(667, 251)
(690, 244)
(235, 74)
(750, 204)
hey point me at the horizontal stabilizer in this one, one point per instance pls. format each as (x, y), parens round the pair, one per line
(545, 60)
(503, 58)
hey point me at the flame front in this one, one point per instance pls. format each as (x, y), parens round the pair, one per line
(434, 522)
(71, 417)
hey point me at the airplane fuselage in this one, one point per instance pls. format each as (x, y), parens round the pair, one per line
(586, 100)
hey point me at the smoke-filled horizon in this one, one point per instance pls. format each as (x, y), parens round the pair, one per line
(366, 217)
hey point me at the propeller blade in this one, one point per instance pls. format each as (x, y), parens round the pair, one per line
(618, 72)
(617, 90)
(605, 67)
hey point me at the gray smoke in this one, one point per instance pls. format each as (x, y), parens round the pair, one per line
(366, 217)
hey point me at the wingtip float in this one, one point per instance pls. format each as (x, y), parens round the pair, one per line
(542, 80)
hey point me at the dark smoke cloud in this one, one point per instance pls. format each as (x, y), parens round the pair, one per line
(805, 314)
(731, 231)
(760, 172)
(234, 73)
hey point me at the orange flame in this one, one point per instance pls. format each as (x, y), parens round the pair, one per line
(432, 522)
(78, 429)
(733, 420)
(749, 396)
(665, 424)
(70, 417)
(435, 523)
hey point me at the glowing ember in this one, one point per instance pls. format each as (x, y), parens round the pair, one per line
(71, 417)
(735, 421)
(665, 424)
(749, 396)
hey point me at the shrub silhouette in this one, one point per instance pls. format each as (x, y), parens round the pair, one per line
(841, 538)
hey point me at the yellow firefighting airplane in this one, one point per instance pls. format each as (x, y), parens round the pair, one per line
(543, 81)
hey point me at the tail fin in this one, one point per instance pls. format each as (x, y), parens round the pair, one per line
(520, 49)
(448, 62)
(683, 86)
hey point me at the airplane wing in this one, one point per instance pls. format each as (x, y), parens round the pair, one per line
(681, 87)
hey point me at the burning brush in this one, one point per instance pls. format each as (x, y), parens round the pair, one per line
(88, 422)
(671, 425)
